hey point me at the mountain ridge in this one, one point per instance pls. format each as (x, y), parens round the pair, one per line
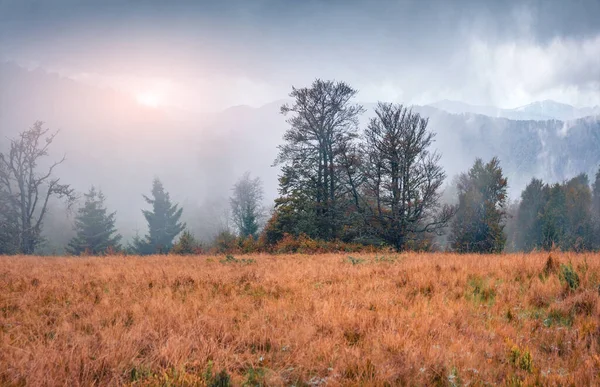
(537, 110)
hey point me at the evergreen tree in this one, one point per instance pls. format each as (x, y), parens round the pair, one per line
(554, 219)
(479, 222)
(95, 228)
(567, 219)
(163, 222)
(246, 207)
(530, 215)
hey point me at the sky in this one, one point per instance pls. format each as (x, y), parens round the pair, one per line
(207, 56)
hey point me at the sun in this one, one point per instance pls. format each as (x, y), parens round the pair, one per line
(149, 99)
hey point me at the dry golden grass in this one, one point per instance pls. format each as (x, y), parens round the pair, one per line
(325, 319)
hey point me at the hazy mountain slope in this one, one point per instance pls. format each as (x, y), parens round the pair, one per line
(541, 110)
(112, 142)
(552, 150)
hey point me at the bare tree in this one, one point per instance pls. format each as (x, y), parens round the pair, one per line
(323, 123)
(26, 189)
(246, 205)
(402, 177)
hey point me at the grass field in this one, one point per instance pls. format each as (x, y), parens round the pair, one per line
(434, 319)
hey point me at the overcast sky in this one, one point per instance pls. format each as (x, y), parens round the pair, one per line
(210, 55)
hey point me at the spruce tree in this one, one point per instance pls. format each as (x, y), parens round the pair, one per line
(479, 222)
(163, 222)
(95, 227)
(530, 215)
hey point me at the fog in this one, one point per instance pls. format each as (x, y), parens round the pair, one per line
(190, 92)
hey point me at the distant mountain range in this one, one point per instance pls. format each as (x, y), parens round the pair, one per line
(541, 110)
(112, 142)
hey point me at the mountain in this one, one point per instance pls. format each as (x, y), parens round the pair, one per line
(541, 110)
(456, 107)
(114, 143)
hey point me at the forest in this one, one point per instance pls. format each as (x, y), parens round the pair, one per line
(343, 186)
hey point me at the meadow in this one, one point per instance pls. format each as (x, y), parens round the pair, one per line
(330, 319)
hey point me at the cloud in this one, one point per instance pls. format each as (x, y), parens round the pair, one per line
(237, 52)
(516, 73)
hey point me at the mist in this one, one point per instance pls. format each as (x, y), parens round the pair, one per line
(190, 93)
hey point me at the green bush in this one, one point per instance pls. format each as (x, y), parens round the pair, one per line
(521, 359)
(221, 379)
(569, 276)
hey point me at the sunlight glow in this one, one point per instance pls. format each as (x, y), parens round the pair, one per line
(149, 99)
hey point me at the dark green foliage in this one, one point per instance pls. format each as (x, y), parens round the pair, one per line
(9, 230)
(211, 379)
(186, 245)
(578, 204)
(479, 222)
(293, 215)
(560, 215)
(529, 222)
(95, 227)
(569, 276)
(163, 222)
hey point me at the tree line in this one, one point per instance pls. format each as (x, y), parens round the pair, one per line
(380, 186)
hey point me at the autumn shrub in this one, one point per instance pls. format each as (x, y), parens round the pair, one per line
(249, 245)
(225, 242)
(186, 245)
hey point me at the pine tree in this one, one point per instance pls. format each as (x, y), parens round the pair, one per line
(96, 232)
(246, 207)
(479, 222)
(163, 222)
